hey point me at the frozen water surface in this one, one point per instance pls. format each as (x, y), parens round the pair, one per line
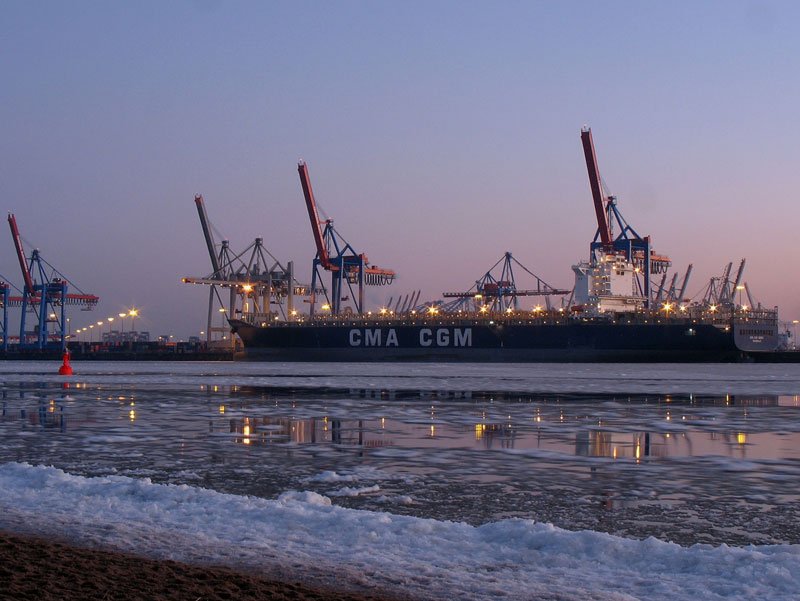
(682, 453)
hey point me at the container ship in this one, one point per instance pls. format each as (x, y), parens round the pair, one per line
(621, 306)
(549, 336)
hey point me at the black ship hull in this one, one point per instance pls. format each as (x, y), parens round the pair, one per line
(489, 341)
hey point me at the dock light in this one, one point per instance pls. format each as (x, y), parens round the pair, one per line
(667, 307)
(222, 309)
(509, 310)
(683, 307)
(247, 288)
(484, 308)
(744, 307)
(326, 307)
(478, 296)
(713, 308)
(293, 313)
(383, 311)
(432, 310)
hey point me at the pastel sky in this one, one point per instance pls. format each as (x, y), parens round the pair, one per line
(438, 136)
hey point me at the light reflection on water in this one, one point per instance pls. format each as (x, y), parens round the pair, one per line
(685, 467)
(589, 426)
(493, 436)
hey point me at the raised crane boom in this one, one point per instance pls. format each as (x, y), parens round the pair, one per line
(212, 251)
(682, 294)
(313, 215)
(603, 225)
(23, 263)
(737, 281)
(348, 267)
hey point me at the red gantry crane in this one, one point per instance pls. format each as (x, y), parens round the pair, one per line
(636, 249)
(334, 254)
(45, 295)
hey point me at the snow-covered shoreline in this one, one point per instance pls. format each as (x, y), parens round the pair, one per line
(513, 559)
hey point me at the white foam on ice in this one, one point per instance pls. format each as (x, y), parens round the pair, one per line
(331, 476)
(302, 535)
(350, 491)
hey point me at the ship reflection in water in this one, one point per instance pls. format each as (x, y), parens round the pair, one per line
(608, 427)
(270, 430)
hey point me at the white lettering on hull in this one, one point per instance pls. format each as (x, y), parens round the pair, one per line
(425, 337)
(440, 337)
(462, 337)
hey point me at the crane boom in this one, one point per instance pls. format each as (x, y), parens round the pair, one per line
(26, 273)
(749, 296)
(313, 215)
(603, 226)
(737, 281)
(671, 291)
(725, 292)
(548, 292)
(201, 211)
(685, 283)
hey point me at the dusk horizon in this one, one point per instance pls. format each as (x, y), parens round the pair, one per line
(438, 137)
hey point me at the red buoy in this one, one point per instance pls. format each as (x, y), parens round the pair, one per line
(66, 368)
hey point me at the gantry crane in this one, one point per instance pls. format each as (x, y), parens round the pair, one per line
(45, 295)
(499, 292)
(635, 248)
(254, 278)
(336, 255)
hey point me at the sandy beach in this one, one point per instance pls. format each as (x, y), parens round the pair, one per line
(37, 569)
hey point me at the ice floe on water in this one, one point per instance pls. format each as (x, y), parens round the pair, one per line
(302, 532)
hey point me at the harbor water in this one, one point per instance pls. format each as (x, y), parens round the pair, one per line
(683, 453)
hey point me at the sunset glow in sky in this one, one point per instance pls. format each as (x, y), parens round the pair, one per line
(438, 136)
